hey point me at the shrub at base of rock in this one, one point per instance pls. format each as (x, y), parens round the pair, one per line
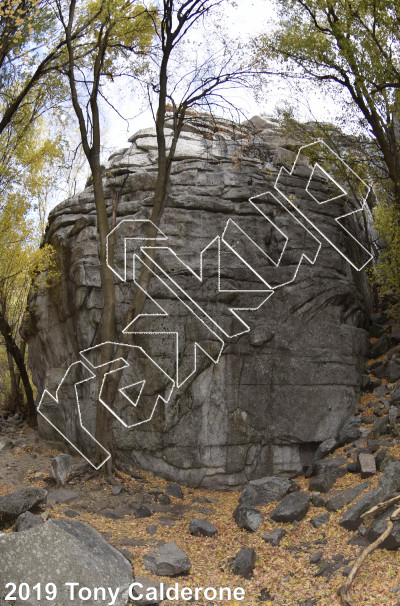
(293, 507)
(167, 561)
(248, 518)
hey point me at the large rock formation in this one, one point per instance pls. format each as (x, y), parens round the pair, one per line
(277, 390)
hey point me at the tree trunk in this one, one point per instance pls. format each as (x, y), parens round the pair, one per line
(19, 359)
(107, 322)
(13, 404)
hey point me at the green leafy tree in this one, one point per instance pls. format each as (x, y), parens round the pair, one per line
(24, 168)
(350, 46)
(387, 270)
(352, 49)
(30, 52)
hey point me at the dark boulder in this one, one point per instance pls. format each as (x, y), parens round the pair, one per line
(275, 537)
(379, 526)
(167, 561)
(350, 431)
(325, 481)
(244, 563)
(26, 521)
(15, 503)
(174, 490)
(380, 347)
(292, 507)
(344, 497)
(320, 520)
(248, 518)
(265, 490)
(202, 528)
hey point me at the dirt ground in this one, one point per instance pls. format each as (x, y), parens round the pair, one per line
(283, 575)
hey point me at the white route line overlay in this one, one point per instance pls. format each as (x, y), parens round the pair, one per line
(56, 399)
(200, 279)
(90, 371)
(308, 258)
(337, 219)
(121, 389)
(165, 314)
(162, 236)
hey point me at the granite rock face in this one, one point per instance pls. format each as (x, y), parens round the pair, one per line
(279, 389)
(67, 552)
